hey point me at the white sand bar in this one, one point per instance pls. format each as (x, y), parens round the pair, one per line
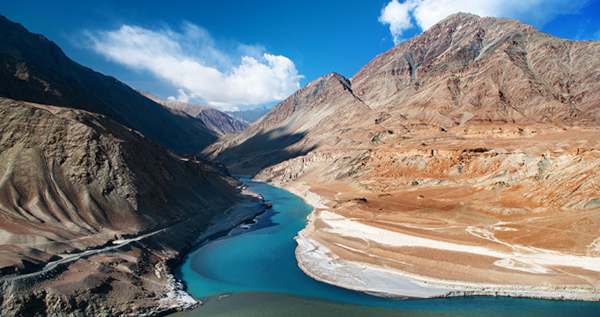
(322, 264)
(537, 260)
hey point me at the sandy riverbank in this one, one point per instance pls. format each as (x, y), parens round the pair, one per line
(177, 298)
(332, 249)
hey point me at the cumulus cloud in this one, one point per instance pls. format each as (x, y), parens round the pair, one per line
(397, 15)
(425, 13)
(192, 61)
(181, 96)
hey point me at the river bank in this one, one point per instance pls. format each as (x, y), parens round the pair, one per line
(542, 272)
(177, 298)
(131, 277)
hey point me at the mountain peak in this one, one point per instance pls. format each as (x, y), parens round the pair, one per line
(217, 121)
(463, 71)
(459, 18)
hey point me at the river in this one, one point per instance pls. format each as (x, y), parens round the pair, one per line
(252, 271)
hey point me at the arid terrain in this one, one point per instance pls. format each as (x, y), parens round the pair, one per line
(217, 121)
(94, 215)
(466, 158)
(463, 161)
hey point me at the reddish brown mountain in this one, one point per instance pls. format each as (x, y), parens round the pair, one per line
(95, 215)
(73, 181)
(465, 158)
(462, 72)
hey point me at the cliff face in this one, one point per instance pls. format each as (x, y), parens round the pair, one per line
(72, 181)
(481, 133)
(35, 69)
(219, 122)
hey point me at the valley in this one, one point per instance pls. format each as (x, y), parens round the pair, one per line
(462, 162)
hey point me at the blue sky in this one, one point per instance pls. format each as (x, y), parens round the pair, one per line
(243, 54)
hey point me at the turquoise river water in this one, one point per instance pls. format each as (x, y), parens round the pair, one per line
(252, 271)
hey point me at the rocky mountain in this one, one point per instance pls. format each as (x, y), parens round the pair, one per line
(480, 135)
(219, 122)
(283, 132)
(93, 214)
(248, 116)
(35, 69)
(464, 71)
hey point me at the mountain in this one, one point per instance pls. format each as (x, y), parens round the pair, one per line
(35, 69)
(93, 210)
(248, 116)
(217, 121)
(97, 207)
(470, 150)
(284, 132)
(462, 72)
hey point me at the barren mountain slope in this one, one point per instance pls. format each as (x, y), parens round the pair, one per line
(464, 71)
(219, 122)
(70, 181)
(35, 69)
(470, 150)
(470, 69)
(285, 131)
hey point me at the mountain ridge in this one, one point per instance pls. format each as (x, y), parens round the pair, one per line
(73, 181)
(218, 121)
(99, 197)
(248, 116)
(465, 77)
(36, 70)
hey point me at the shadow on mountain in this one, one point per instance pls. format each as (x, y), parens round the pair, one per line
(34, 69)
(264, 150)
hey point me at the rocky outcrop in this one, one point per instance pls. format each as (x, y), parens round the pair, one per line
(35, 69)
(219, 122)
(93, 215)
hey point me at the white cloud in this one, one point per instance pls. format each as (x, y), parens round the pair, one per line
(181, 96)
(397, 15)
(198, 68)
(426, 13)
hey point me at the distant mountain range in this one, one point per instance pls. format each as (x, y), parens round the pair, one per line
(219, 122)
(248, 116)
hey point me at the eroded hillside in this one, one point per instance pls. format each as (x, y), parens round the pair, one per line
(92, 214)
